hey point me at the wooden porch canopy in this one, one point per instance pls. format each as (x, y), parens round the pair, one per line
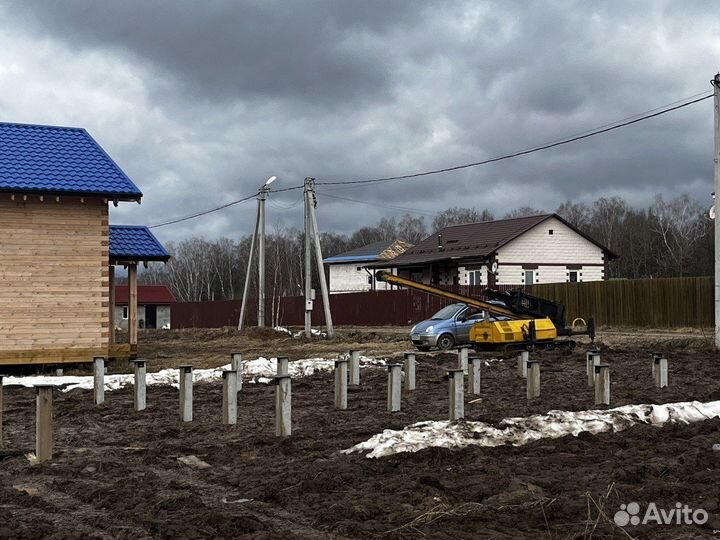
(129, 246)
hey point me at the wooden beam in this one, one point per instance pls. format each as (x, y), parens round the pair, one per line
(44, 423)
(132, 304)
(63, 356)
(111, 301)
(122, 350)
(50, 356)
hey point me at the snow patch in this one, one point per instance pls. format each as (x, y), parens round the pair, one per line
(518, 431)
(283, 330)
(313, 332)
(260, 370)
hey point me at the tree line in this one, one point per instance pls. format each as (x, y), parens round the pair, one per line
(668, 238)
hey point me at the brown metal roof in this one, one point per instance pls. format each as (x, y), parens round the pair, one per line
(474, 240)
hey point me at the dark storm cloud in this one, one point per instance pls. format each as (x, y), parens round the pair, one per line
(318, 52)
(201, 102)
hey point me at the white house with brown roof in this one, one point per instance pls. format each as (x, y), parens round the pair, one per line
(348, 271)
(517, 251)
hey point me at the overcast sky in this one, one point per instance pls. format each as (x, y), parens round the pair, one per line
(200, 102)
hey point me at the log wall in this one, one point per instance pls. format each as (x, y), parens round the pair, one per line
(54, 303)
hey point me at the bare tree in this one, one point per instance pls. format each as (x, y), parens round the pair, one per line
(523, 211)
(387, 227)
(680, 224)
(412, 229)
(576, 213)
(460, 216)
(607, 219)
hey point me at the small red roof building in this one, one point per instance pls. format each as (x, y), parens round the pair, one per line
(147, 294)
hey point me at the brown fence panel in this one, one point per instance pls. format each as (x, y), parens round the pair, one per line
(205, 314)
(378, 308)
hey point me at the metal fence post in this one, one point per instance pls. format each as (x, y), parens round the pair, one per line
(186, 393)
(409, 371)
(533, 379)
(140, 399)
(522, 359)
(394, 387)
(474, 375)
(341, 378)
(283, 406)
(456, 396)
(602, 384)
(99, 380)
(229, 396)
(354, 367)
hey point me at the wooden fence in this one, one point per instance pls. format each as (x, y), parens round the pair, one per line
(668, 302)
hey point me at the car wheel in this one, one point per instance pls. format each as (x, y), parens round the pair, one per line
(445, 342)
(422, 348)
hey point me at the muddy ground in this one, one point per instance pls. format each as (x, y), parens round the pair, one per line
(116, 472)
(210, 347)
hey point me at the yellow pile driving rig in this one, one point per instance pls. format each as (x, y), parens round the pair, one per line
(513, 319)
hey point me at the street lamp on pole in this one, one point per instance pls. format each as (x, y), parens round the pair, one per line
(259, 236)
(262, 195)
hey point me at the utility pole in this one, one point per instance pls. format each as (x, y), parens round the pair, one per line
(262, 195)
(716, 86)
(308, 270)
(259, 236)
(320, 267)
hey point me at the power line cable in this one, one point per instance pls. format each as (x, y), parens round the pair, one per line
(531, 150)
(193, 216)
(652, 113)
(632, 117)
(285, 189)
(284, 206)
(217, 208)
(400, 208)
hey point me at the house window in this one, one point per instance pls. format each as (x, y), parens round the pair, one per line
(125, 313)
(573, 276)
(358, 268)
(474, 277)
(416, 276)
(529, 277)
(550, 232)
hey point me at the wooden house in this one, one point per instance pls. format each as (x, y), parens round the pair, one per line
(516, 251)
(56, 257)
(347, 272)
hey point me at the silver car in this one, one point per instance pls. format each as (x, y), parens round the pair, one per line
(448, 328)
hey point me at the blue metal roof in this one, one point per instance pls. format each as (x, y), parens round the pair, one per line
(135, 243)
(59, 160)
(369, 252)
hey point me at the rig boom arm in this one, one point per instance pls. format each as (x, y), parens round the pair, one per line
(383, 275)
